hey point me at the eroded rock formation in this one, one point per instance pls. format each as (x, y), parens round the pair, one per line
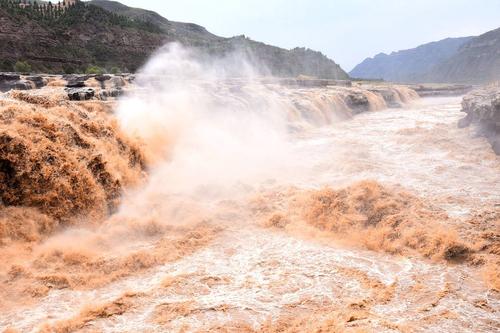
(483, 108)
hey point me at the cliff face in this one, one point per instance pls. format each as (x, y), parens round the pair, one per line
(109, 34)
(477, 61)
(482, 107)
(408, 65)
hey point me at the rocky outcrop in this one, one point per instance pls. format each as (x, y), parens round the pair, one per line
(80, 94)
(358, 102)
(483, 108)
(13, 81)
(309, 82)
(439, 90)
(103, 87)
(77, 87)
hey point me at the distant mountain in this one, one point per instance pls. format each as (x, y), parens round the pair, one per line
(110, 34)
(477, 61)
(409, 65)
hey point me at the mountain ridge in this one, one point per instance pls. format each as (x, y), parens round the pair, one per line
(120, 36)
(476, 62)
(465, 60)
(408, 65)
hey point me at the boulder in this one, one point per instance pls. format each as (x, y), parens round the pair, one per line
(115, 92)
(358, 102)
(9, 81)
(9, 77)
(80, 94)
(37, 80)
(102, 78)
(15, 85)
(75, 84)
(76, 80)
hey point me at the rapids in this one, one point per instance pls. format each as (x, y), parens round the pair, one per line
(253, 278)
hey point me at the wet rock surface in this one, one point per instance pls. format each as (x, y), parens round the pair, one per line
(437, 90)
(12, 81)
(358, 103)
(80, 94)
(482, 107)
(78, 87)
(38, 81)
(84, 87)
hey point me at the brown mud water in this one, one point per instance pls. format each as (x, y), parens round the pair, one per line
(248, 208)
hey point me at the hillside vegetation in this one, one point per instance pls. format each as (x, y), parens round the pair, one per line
(111, 35)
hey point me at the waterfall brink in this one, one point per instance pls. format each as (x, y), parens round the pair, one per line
(405, 94)
(308, 107)
(376, 101)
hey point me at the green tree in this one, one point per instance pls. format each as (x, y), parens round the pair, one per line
(115, 70)
(22, 67)
(94, 70)
(68, 69)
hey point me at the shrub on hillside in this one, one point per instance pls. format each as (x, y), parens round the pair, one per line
(22, 67)
(94, 70)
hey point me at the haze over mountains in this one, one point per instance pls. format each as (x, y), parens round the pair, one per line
(109, 34)
(408, 65)
(452, 60)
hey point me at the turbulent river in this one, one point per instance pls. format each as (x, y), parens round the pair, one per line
(199, 202)
(248, 276)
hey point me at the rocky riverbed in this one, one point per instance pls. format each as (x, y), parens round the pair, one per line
(102, 87)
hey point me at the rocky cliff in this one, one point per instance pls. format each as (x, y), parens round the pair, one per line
(109, 34)
(477, 61)
(482, 107)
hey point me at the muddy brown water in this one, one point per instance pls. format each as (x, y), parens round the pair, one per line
(248, 277)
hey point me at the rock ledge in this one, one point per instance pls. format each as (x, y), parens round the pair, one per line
(483, 108)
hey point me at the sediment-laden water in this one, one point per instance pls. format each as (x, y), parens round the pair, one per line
(249, 274)
(236, 206)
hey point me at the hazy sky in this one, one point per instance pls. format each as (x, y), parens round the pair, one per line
(347, 31)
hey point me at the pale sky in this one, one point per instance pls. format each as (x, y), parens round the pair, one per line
(347, 31)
